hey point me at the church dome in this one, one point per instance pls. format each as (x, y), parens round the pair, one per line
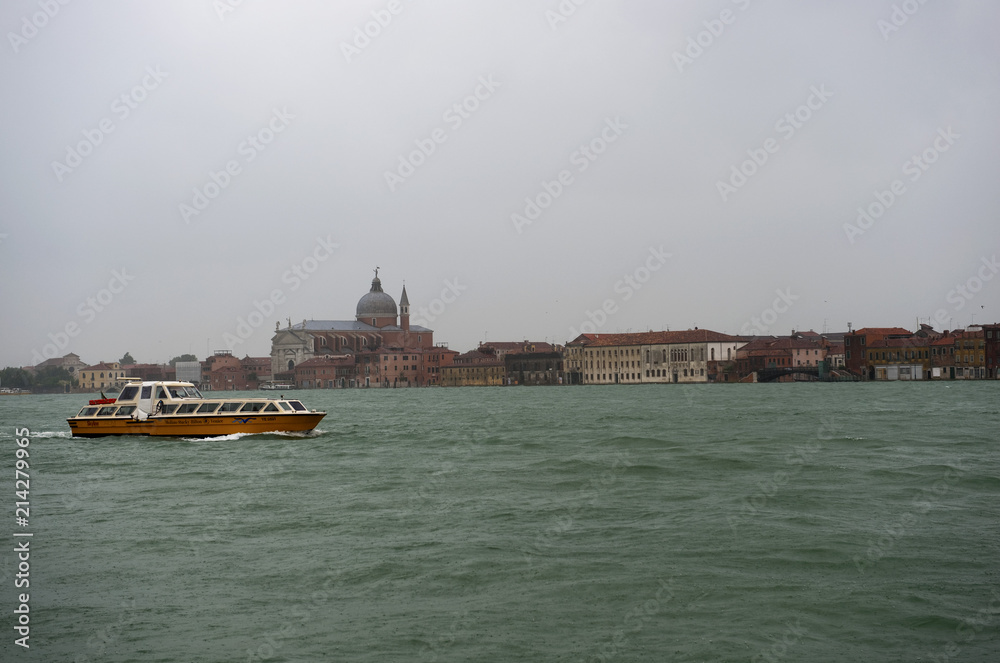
(376, 303)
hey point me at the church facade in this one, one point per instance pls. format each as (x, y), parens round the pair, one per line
(375, 339)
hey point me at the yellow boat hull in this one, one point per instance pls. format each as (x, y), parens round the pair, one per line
(196, 426)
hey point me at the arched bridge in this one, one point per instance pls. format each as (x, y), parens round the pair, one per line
(817, 372)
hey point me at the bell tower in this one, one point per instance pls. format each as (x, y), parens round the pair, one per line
(404, 311)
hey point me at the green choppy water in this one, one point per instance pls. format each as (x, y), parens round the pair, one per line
(802, 522)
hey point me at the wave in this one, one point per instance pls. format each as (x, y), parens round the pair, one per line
(237, 436)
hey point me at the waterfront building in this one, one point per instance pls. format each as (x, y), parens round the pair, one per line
(856, 346)
(70, 362)
(657, 357)
(991, 344)
(573, 357)
(899, 358)
(787, 352)
(225, 372)
(970, 354)
(105, 375)
(397, 366)
(534, 368)
(835, 354)
(188, 371)
(942, 350)
(477, 368)
(326, 372)
(146, 372)
(503, 348)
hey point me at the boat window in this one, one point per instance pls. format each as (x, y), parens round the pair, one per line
(161, 393)
(168, 409)
(252, 407)
(87, 412)
(128, 393)
(271, 407)
(192, 392)
(208, 407)
(125, 410)
(297, 406)
(230, 407)
(107, 411)
(285, 406)
(187, 408)
(147, 390)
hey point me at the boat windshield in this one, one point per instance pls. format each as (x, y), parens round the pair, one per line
(128, 393)
(185, 392)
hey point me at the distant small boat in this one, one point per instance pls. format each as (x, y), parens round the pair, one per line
(178, 409)
(276, 386)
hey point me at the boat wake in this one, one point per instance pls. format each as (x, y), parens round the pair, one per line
(50, 434)
(296, 435)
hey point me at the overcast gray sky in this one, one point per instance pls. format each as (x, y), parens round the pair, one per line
(531, 169)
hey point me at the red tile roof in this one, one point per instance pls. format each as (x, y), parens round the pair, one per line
(100, 367)
(663, 338)
(884, 331)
